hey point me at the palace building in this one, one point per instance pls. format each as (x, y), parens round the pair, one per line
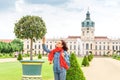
(81, 45)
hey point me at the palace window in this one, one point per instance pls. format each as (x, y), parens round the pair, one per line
(104, 47)
(35, 46)
(39, 46)
(70, 47)
(74, 47)
(100, 47)
(91, 46)
(50, 46)
(108, 48)
(27, 46)
(113, 47)
(116, 48)
(87, 46)
(87, 28)
(39, 52)
(96, 47)
(83, 33)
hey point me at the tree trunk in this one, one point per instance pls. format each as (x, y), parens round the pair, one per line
(31, 45)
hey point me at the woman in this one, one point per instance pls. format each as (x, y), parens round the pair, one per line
(60, 59)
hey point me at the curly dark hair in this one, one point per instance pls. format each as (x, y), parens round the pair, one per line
(64, 45)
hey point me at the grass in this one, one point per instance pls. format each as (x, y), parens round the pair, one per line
(10, 71)
(2, 56)
(13, 70)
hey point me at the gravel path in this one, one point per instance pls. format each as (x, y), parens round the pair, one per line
(8, 60)
(102, 69)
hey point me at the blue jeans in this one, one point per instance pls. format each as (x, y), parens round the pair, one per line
(60, 75)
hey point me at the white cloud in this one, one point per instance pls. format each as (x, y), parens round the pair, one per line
(19, 6)
(65, 19)
(7, 25)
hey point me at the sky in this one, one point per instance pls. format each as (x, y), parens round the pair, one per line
(62, 17)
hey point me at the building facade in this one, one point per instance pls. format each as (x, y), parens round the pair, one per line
(81, 45)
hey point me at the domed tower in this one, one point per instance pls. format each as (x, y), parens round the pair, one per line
(87, 36)
(87, 28)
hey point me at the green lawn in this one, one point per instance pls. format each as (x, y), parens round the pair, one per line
(10, 71)
(13, 70)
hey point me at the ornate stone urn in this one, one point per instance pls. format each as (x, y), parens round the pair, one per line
(31, 69)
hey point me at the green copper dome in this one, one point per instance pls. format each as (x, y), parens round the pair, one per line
(87, 22)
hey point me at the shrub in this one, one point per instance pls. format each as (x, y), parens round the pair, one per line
(10, 54)
(89, 57)
(39, 56)
(74, 72)
(92, 56)
(19, 57)
(1, 55)
(114, 56)
(85, 61)
(26, 55)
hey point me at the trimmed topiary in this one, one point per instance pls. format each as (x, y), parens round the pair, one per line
(10, 54)
(74, 72)
(19, 57)
(85, 61)
(92, 56)
(89, 57)
(39, 56)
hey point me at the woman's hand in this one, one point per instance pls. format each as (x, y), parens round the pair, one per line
(50, 62)
(43, 40)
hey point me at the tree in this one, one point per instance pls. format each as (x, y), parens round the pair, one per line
(30, 27)
(74, 72)
(17, 45)
(5, 47)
